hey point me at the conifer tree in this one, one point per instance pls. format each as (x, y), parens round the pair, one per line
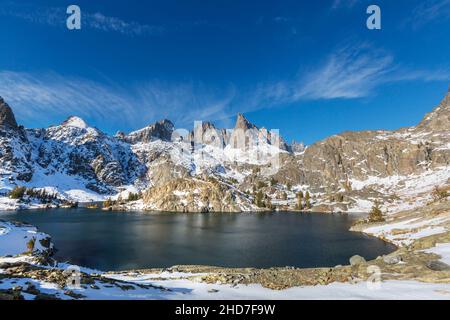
(307, 200)
(259, 199)
(300, 200)
(375, 214)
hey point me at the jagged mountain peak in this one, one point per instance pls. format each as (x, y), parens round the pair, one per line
(163, 123)
(161, 129)
(439, 118)
(7, 118)
(297, 147)
(76, 122)
(242, 123)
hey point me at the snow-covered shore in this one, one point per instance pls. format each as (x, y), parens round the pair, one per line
(16, 239)
(180, 285)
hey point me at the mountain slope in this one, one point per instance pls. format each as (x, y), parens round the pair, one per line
(378, 164)
(175, 168)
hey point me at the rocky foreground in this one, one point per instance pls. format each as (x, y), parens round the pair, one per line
(420, 268)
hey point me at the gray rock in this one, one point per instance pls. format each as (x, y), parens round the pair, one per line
(392, 259)
(161, 130)
(438, 266)
(242, 123)
(357, 260)
(7, 118)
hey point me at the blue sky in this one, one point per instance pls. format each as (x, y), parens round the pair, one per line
(308, 68)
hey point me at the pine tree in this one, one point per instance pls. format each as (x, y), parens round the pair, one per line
(439, 194)
(300, 200)
(259, 199)
(133, 196)
(307, 200)
(261, 184)
(273, 182)
(107, 203)
(268, 203)
(30, 244)
(375, 214)
(17, 192)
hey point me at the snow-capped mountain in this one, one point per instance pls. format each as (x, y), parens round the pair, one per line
(244, 168)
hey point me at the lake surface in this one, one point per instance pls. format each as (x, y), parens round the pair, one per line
(119, 241)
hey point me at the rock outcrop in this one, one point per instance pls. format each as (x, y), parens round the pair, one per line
(335, 162)
(242, 123)
(161, 130)
(7, 118)
(195, 195)
(439, 119)
(15, 149)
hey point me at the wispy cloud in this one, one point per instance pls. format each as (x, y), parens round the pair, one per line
(350, 72)
(185, 102)
(44, 95)
(56, 17)
(101, 22)
(38, 97)
(343, 3)
(429, 11)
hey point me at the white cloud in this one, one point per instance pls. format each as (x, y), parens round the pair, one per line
(56, 17)
(343, 3)
(37, 97)
(101, 22)
(350, 72)
(430, 11)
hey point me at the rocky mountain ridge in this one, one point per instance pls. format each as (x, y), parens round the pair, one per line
(198, 170)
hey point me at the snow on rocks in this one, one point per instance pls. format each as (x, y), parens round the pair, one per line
(75, 122)
(18, 238)
(412, 191)
(404, 233)
(443, 250)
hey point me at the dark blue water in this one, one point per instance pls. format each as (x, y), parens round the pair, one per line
(118, 240)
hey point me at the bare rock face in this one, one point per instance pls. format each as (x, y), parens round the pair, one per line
(206, 133)
(195, 195)
(7, 118)
(177, 178)
(439, 118)
(15, 149)
(162, 171)
(332, 163)
(297, 147)
(161, 130)
(242, 123)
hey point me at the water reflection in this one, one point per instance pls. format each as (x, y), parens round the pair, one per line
(117, 240)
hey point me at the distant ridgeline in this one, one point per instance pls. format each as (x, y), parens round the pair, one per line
(243, 169)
